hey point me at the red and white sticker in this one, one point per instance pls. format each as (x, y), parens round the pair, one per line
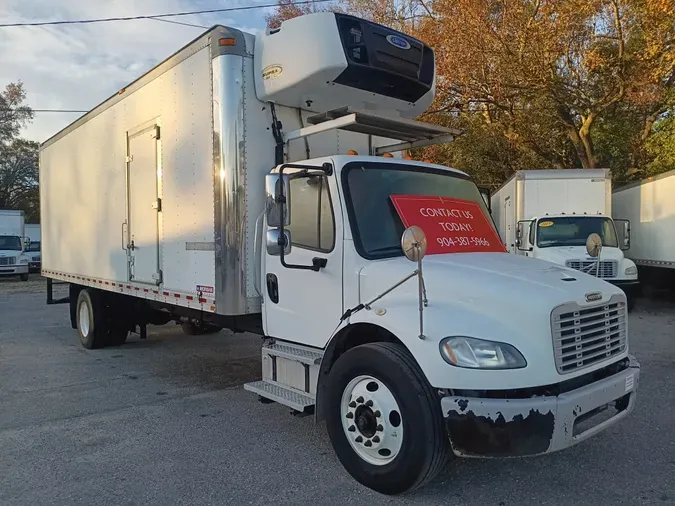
(451, 225)
(205, 290)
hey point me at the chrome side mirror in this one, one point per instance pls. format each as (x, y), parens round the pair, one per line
(414, 243)
(623, 233)
(275, 207)
(593, 245)
(274, 245)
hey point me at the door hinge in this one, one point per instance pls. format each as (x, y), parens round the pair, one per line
(129, 158)
(157, 204)
(155, 133)
(158, 277)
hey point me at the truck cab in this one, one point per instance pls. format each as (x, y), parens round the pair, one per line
(13, 260)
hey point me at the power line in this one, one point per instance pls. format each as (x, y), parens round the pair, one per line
(156, 16)
(179, 23)
(47, 110)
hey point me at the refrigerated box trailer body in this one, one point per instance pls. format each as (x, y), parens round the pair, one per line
(650, 207)
(549, 214)
(13, 261)
(165, 203)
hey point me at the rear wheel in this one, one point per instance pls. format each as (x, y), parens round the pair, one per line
(91, 321)
(384, 419)
(117, 336)
(24, 277)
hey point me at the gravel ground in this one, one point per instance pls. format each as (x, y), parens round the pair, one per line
(165, 421)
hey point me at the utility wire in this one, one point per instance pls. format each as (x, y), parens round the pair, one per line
(46, 110)
(179, 23)
(156, 16)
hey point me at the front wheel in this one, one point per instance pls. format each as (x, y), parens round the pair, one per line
(384, 419)
(24, 277)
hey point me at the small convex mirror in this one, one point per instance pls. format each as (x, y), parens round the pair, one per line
(414, 243)
(593, 245)
(273, 208)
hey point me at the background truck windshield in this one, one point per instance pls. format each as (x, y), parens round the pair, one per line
(376, 226)
(10, 242)
(574, 230)
(34, 246)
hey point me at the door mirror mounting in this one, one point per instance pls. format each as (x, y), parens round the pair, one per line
(623, 233)
(275, 206)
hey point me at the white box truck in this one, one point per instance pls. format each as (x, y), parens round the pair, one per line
(33, 247)
(549, 215)
(13, 260)
(244, 183)
(649, 206)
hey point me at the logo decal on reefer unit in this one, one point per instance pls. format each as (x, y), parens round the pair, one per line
(593, 296)
(272, 72)
(205, 290)
(398, 42)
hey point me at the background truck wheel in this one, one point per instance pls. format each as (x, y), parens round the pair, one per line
(384, 419)
(630, 302)
(91, 320)
(24, 277)
(192, 329)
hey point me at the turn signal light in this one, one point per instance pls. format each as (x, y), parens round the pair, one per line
(227, 41)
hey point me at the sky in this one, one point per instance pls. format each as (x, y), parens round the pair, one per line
(79, 66)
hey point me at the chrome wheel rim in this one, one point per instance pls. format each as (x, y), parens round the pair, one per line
(84, 320)
(371, 420)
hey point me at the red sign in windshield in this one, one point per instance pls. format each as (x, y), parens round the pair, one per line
(451, 225)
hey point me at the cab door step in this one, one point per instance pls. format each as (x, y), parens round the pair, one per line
(299, 401)
(289, 374)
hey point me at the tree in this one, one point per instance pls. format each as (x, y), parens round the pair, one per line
(13, 114)
(18, 157)
(288, 9)
(19, 177)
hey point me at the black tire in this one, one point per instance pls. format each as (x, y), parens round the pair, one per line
(24, 277)
(425, 443)
(192, 329)
(630, 302)
(95, 335)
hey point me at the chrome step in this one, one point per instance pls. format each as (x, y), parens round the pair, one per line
(283, 395)
(292, 352)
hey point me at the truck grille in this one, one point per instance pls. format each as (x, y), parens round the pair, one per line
(607, 268)
(585, 336)
(7, 260)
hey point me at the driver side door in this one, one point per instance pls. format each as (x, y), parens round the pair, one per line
(302, 305)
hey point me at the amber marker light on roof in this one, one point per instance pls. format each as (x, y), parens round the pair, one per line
(388, 155)
(352, 152)
(227, 41)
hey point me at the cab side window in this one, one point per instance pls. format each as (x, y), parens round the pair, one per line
(312, 220)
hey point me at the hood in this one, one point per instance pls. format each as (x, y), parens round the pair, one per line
(482, 278)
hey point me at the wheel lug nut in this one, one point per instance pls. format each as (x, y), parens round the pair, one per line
(358, 439)
(376, 439)
(380, 428)
(359, 399)
(351, 428)
(352, 404)
(369, 403)
(377, 414)
(368, 443)
(350, 415)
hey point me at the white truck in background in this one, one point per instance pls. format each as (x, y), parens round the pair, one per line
(549, 215)
(13, 260)
(649, 205)
(244, 183)
(33, 248)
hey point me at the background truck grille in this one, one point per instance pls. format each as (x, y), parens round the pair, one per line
(607, 268)
(583, 336)
(7, 260)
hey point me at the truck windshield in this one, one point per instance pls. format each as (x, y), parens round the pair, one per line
(10, 242)
(574, 230)
(376, 226)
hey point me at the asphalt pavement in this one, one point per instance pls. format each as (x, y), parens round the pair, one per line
(165, 421)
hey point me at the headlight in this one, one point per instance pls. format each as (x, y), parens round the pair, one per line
(631, 271)
(23, 261)
(480, 354)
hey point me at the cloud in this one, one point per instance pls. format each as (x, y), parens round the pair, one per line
(79, 66)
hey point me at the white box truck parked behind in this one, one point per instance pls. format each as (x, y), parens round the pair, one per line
(13, 260)
(549, 215)
(649, 205)
(238, 185)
